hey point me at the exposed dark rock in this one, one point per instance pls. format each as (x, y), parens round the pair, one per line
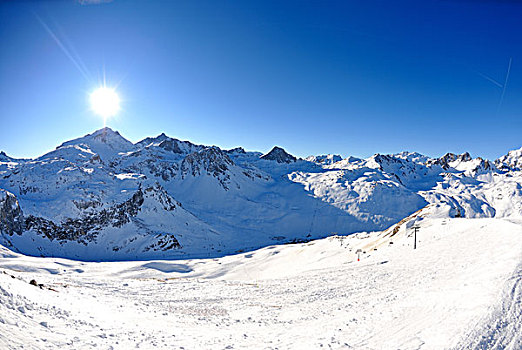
(325, 159)
(11, 216)
(484, 165)
(237, 150)
(451, 157)
(96, 159)
(4, 157)
(387, 159)
(211, 161)
(86, 228)
(171, 145)
(279, 155)
(510, 161)
(147, 141)
(164, 243)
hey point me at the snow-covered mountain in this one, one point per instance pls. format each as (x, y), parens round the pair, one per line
(511, 161)
(101, 197)
(279, 155)
(325, 159)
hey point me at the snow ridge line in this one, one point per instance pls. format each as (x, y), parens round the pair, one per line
(502, 328)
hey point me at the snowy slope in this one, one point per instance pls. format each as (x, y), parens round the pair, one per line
(511, 161)
(101, 197)
(461, 288)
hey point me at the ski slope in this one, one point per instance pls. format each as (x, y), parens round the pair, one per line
(461, 288)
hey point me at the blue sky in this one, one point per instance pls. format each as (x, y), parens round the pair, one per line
(348, 77)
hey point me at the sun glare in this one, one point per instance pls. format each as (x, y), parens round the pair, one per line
(105, 102)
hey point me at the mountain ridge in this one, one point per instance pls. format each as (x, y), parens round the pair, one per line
(103, 197)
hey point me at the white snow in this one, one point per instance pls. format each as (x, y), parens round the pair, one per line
(447, 293)
(128, 176)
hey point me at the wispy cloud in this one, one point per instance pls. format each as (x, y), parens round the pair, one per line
(504, 86)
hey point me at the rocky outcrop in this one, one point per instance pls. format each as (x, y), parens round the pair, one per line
(237, 150)
(149, 141)
(279, 155)
(326, 159)
(5, 158)
(210, 161)
(169, 144)
(86, 228)
(484, 165)
(386, 160)
(448, 158)
(11, 216)
(510, 161)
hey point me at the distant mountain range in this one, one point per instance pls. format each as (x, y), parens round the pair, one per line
(101, 197)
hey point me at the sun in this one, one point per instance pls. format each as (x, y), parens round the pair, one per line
(105, 102)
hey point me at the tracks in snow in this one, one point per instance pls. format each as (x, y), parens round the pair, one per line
(502, 328)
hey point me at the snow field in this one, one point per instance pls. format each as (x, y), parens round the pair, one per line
(442, 295)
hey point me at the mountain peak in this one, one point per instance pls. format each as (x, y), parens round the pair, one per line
(512, 160)
(152, 140)
(324, 159)
(169, 144)
(107, 135)
(4, 157)
(105, 130)
(106, 142)
(415, 157)
(279, 155)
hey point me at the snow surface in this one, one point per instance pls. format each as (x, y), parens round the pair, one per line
(461, 288)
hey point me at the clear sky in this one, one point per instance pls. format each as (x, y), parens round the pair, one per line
(347, 77)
